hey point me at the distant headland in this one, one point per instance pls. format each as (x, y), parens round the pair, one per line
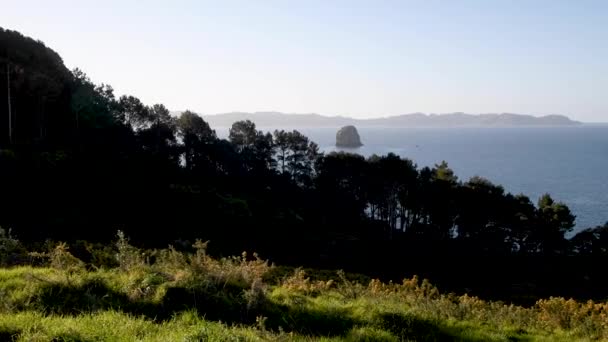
(277, 119)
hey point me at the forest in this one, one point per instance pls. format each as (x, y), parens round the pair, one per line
(78, 163)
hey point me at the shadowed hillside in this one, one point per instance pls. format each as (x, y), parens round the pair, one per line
(80, 162)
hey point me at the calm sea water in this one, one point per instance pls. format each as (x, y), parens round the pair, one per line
(570, 163)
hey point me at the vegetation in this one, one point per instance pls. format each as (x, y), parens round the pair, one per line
(163, 295)
(77, 163)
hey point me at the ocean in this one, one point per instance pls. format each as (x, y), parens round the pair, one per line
(570, 163)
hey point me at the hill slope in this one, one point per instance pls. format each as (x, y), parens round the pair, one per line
(195, 297)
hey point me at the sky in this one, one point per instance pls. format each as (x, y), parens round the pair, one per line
(355, 58)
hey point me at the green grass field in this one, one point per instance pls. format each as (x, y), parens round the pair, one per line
(166, 295)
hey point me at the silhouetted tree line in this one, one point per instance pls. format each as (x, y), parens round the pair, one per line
(76, 162)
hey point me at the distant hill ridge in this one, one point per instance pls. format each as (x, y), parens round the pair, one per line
(277, 119)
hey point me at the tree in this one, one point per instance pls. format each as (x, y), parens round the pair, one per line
(160, 115)
(313, 154)
(299, 163)
(554, 221)
(243, 135)
(591, 241)
(158, 140)
(522, 218)
(40, 89)
(437, 192)
(94, 106)
(296, 155)
(281, 141)
(341, 184)
(390, 188)
(556, 214)
(191, 124)
(442, 172)
(134, 113)
(481, 216)
(255, 147)
(196, 136)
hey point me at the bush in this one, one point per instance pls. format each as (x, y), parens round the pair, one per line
(128, 257)
(299, 282)
(11, 251)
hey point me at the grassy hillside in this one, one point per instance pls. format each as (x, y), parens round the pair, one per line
(168, 295)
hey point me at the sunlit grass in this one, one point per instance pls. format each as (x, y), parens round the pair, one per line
(193, 297)
(116, 326)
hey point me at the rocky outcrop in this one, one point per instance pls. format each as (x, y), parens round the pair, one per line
(348, 136)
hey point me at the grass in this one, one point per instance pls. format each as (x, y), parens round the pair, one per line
(169, 295)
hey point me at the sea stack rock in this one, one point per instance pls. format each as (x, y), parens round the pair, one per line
(348, 136)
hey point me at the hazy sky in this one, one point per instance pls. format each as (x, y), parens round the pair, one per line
(356, 58)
